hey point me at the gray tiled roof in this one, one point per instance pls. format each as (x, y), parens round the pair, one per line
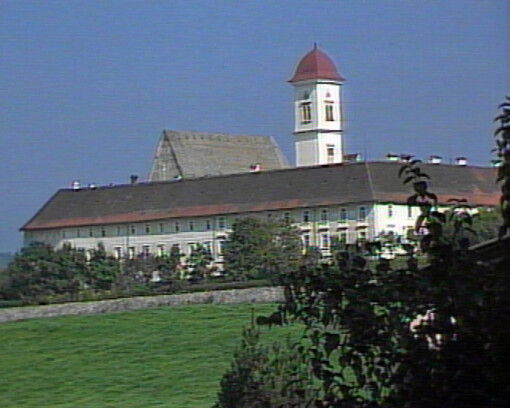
(195, 154)
(272, 190)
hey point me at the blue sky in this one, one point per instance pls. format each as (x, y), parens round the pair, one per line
(86, 87)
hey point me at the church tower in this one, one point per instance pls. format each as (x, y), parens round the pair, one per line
(317, 110)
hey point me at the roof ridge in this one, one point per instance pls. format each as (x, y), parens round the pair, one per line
(370, 182)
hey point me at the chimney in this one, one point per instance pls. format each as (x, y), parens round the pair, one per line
(461, 161)
(352, 157)
(392, 157)
(435, 159)
(134, 178)
(255, 168)
(75, 185)
(406, 158)
(92, 186)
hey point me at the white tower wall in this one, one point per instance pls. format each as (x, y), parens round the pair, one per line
(317, 122)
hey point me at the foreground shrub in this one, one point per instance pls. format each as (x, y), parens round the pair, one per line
(264, 376)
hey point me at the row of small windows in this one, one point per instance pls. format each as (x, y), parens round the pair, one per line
(145, 251)
(391, 211)
(324, 215)
(344, 215)
(305, 112)
(148, 229)
(324, 239)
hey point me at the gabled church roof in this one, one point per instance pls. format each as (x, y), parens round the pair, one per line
(302, 187)
(197, 154)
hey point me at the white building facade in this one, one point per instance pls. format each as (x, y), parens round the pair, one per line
(322, 196)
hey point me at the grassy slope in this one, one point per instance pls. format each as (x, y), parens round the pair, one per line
(169, 357)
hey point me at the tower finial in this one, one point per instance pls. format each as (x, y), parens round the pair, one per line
(315, 45)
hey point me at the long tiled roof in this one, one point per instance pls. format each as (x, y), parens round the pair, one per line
(197, 154)
(250, 192)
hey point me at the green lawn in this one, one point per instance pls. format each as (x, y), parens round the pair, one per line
(168, 357)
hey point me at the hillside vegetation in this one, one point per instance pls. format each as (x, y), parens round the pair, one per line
(168, 357)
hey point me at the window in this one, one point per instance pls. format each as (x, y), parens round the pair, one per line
(119, 231)
(329, 112)
(362, 235)
(132, 230)
(287, 217)
(221, 246)
(118, 252)
(324, 215)
(147, 229)
(161, 227)
(177, 227)
(269, 216)
(410, 233)
(306, 216)
(305, 109)
(324, 241)
(306, 240)
(208, 225)
(342, 237)
(330, 153)
(103, 232)
(221, 222)
(161, 250)
(146, 251)
(390, 210)
(409, 211)
(362, 214)
(176, 249)
(63, 234)
(191, 247)
(343, 215)
(191, 225)
(208, 246)
(91, 232)
(131, 252)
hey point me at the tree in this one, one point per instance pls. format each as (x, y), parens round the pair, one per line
(263, 376)
(404, 337)
(169, 264)
(199, 263)
(38, 271)
(502, 135)
(103, 269)
(258, 249)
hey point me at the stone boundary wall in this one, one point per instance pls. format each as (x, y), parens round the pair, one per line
(251, 295)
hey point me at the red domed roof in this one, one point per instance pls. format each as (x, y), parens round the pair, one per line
(316, 65)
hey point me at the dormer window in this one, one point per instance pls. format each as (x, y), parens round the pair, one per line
(305, 110)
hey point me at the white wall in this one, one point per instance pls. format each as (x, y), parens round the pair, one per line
(396, 218)
(155, 234)
(313, 138)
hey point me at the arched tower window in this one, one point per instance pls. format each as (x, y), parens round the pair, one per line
(329, 111)
(305, 109)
